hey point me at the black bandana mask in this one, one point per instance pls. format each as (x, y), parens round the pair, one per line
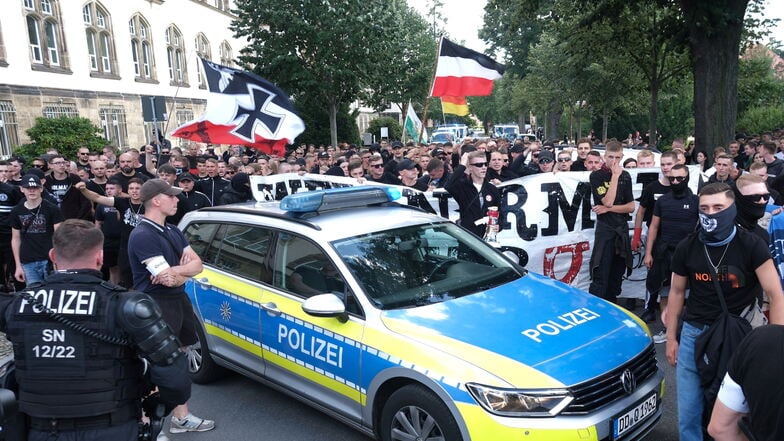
(680, 189)
(716, 229)
(749, 210)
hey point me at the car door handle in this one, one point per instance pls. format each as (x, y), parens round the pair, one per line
(204, 282)
(271, 308)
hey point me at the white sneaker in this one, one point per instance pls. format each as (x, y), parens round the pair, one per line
(191, 423)
(660, 337)
(162, 437)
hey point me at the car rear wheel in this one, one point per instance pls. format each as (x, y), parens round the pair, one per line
(201, 366)
(414, 412)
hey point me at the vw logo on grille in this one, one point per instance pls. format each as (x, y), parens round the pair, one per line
(628, 381)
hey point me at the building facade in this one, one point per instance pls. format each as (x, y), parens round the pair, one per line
(106, 61)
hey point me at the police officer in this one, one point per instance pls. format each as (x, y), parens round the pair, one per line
(82, 347)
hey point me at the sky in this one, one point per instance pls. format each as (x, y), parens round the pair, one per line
(464, 18)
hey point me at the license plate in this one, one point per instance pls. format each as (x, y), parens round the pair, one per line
(634, 416)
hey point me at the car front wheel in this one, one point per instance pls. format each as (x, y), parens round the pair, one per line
(415, 412)
(201, 366)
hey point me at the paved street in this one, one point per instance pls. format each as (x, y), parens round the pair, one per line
(244, 409)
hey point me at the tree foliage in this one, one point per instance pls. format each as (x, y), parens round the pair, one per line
(331, 51)
(65, 134)
(406, 73)
(619, 45)
(395, 129)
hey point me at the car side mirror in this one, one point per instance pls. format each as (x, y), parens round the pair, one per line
(512, 256)
(325, 305)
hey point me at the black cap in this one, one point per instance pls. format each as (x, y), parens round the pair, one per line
(397, 144)
(437, 152)
(546, 155)
(406, 164)
(323, 155)
(186, 177)
(517, 148)
(31, 181)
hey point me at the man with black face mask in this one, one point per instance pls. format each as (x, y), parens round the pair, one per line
(751, 197)
(675, 216)
(744, 269)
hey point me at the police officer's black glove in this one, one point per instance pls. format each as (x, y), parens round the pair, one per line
(154, 408)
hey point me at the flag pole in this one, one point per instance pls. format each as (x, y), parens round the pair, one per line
(432, 82)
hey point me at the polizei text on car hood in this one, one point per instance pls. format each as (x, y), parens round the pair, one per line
(564, 333)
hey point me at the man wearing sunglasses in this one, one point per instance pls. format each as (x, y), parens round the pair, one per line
(376, 169)
(472, 191)
(675, 215)
(751, 199)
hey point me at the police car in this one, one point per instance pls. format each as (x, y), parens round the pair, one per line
(406, 326)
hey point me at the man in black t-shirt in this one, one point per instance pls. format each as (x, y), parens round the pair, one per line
(752, 388)
(33, 222)
(675, 216)
(60, 184)
(744, 268)
(108, 219)
(651, 192)
(131, 211)
(612, 192)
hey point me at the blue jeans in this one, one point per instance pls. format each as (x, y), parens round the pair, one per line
(35, 271)
(689, 390)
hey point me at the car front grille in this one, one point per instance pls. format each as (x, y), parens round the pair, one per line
(600, 391)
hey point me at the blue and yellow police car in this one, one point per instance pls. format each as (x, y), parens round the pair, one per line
(406, 326)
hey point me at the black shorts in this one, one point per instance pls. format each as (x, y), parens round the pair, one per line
(178, 314)
(110, 255)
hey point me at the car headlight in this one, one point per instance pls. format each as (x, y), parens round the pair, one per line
(520, 402)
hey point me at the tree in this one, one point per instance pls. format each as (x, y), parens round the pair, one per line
(407, 73)
(327, 50)
(395, 130)
(64, 134)
(714, 31)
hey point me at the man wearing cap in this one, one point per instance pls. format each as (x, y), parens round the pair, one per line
(323, 164)
(391, 162)
(32, 225)
(195, 199)
(409, 177)
(541, 163)
(162, 261)
(409, 174)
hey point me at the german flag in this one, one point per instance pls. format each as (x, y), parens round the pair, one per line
(464, 72)
(454, 105)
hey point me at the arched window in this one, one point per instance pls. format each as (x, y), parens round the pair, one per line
(226, 58)
(141, 48)
(203, 51)
(100, 39)
(175, 53)
(44, 33)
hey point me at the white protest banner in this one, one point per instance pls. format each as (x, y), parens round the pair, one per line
(545, 218)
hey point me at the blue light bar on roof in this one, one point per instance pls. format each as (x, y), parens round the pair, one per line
(337, 198)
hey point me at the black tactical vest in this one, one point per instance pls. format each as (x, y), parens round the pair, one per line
(66, 373)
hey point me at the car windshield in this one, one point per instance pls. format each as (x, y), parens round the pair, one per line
(423, 264)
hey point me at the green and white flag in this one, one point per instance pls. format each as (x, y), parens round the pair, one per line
(413, 124)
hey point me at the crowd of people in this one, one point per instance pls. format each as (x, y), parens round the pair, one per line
(135, 196)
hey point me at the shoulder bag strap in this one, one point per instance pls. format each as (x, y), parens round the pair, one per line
(715, 279)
